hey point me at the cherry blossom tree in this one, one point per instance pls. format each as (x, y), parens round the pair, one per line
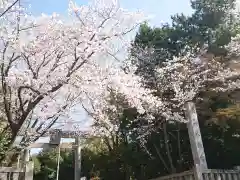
(183, 78)
(177, 82)
(49, 64)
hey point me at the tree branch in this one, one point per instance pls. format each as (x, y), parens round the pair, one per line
(161, 158)
(4, 12)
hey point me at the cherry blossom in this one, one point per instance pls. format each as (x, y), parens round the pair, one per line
(181, 79)
(51, 63)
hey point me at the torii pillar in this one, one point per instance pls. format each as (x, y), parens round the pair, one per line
(77, 168)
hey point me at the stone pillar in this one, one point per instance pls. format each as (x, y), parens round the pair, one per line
(28, 171)
(77, 156)
(15, 176)
(195, 136)
(28, 165)
(26, 155)
(198, 173)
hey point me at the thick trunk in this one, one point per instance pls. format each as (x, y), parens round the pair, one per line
(172, 168)
(179, 147)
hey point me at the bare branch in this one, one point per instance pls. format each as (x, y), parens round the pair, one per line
(8, 8)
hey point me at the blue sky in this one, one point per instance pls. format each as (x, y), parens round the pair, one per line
(161, 9)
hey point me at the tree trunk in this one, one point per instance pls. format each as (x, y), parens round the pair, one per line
(172, 168)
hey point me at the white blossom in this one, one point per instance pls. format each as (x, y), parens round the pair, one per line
(51, 63)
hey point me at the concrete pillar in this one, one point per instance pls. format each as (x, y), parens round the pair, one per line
(77, 168)
(28, 171)
(198, 173)
(26, 155)
(195, 137)
(28, 165)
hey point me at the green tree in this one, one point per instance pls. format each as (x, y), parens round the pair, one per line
(212, 24)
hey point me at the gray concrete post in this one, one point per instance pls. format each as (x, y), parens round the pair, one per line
(195, 137)
(28, 171)
(77, 168)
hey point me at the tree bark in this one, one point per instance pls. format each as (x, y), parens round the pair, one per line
(161, 158)
(179, 147)
(172, 168)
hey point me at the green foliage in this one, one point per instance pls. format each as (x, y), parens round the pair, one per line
(5, 139)
(37, 165)
(4, 142)
(211, 24)
(46, 165)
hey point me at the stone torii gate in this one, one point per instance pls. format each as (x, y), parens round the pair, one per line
(55, 141)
